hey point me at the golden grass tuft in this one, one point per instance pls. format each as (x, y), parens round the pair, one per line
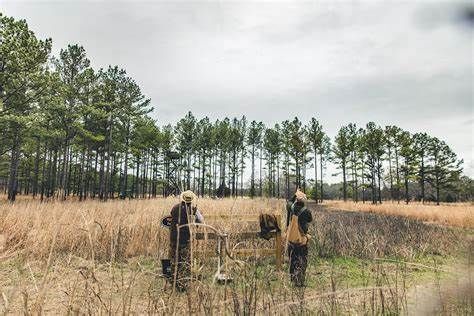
(455, 214)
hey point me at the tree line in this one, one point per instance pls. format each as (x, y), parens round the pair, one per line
(69, 130)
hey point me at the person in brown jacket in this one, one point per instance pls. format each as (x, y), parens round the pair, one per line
(298, 250)
(182, 213)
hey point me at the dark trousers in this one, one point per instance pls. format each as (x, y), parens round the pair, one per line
(180, 265)
(298, 263)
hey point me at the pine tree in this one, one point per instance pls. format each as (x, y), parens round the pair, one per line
(70, 65)
(408, 167)
(392, 137)
(22, 82)
(185, 131)
(420, 147)
(354, 159)
(298, 149)
(324, 155)
(272, 146)
(444, 169)
(373, 144)
(315, 135)
(254, 139)
(341, 153)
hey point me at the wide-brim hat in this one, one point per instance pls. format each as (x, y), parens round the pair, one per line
(300, 196)
(188, 197)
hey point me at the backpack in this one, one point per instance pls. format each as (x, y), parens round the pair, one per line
(268, 223)
(294, 233)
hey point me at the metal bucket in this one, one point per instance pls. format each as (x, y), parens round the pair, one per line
(166, 268)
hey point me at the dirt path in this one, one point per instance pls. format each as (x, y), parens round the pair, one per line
(452, 294)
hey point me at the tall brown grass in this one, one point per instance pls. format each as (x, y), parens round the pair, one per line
(100, 230)
(102, 258)
(454, 214)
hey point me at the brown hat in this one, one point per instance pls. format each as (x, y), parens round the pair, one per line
(300, 196)
(188, 197)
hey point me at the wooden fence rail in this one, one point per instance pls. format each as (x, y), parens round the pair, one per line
(276, 251)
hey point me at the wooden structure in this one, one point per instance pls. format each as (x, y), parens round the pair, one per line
(171, 184)
(276, 251)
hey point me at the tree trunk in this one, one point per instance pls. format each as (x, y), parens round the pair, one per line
(437, 190)
(54, 182)
(43, 169)
(50, 174)
(94, 184)
(373, 183)
(36, 168)
(188, 178)
(437, 180)
(69, 176)
(124, 182)
(321, 174)
(113, 176)
(379, 167)
(137, 178)
(242, 169)
(398, 175)
(203, 173)
(261, 188)
(14, 162)
(363, 183)
(278, 176)
(107, 172)
(422, 180)
(234, 161)
(356, 184)
(144, 175)
(64, 170)
(315, 176)
(407, 198)
(214, 182)
(303, 162)
(102, 177)
(287, 162)
(72, 181)
(390, 172)
(82, 172)
(344, 189)
(252, 177)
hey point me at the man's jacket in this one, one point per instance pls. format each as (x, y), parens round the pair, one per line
(181, 214)
(304, 215)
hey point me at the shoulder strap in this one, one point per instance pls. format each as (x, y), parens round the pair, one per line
(300, 211)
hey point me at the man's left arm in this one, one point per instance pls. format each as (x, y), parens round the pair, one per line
(304, 219)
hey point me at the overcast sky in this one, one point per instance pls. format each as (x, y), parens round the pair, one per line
(402, 63)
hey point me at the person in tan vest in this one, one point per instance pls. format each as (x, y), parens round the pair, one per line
(298, 218)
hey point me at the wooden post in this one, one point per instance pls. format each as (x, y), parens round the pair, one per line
(278, 250)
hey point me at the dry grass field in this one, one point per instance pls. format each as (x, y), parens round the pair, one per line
(449, 214)
(103, 258)
(94, 229)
